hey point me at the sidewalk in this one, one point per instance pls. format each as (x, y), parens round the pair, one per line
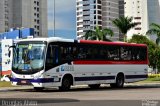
(15, 88)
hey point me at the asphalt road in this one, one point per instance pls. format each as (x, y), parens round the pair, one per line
(130, 95)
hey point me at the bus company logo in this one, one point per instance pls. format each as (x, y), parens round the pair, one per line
(62, 68)
(149, 103)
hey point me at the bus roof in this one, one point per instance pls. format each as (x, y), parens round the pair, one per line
(50, 39)
(59, 39)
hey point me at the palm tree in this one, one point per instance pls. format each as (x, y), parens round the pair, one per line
(124, 24)
(98, 34)
(155, 29)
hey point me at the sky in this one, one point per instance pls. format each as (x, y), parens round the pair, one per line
(65, 18)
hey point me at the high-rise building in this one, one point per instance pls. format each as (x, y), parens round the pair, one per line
(144, 12)
(92, 13)
(153, 14)
(24, 13)
(137, 9)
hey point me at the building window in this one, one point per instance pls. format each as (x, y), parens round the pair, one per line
(99, 7)
(37, 27)
(37, 15)
(137, 17)
(99, 12)
(38, 9)
(137, 28)
(37, 3)
(99, 1)
(94, 7)
(37, 21)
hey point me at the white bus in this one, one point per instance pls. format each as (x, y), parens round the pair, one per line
(58, 62)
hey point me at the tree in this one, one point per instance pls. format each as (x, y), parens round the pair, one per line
(153, 50)
(98, 34)
(124, 24)
(154, 29)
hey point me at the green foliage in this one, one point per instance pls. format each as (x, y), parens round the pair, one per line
(124, 24)
(98, 34)
(153, 77)
(153, 49)
(154, 30)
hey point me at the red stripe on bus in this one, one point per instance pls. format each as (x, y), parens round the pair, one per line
(111, 43)
(110, 62)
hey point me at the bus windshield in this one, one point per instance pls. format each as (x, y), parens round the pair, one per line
(28, 57)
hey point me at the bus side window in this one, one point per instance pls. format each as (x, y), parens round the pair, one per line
(113, 53)
(81, 53)
(67, 54)
(126, 53)
(141, 54)
(52, 57)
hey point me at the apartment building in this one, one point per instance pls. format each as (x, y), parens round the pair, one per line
(138, 10)
(91, 13)
(24, 13)
(144, 12)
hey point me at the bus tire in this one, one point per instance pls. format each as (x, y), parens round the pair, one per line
(38, 88)
(119, 81)
(66, 84)
(94, 86)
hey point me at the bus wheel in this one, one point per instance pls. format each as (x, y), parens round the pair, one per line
(94, 86)
(38, 88)
(119, 81)
(66, 84)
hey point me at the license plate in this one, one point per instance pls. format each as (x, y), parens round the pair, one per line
(23, 82)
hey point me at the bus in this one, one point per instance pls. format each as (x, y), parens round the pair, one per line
(59, 62)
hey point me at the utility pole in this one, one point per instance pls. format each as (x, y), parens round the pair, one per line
(54, 17)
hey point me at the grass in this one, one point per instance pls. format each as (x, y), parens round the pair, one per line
(5, 84)
(151, 80)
